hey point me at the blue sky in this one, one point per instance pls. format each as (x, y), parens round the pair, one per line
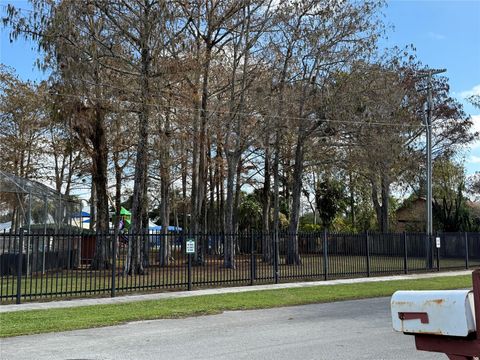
(445, 33)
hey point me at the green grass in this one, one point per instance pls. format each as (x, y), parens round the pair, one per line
(53, 320)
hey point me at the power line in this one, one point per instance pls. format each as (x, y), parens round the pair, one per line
(228, 112)
(223, 112)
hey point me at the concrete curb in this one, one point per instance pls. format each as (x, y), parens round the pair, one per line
(229, 290)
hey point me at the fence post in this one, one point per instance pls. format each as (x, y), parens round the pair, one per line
(276, 255)
(19, 267)
(114, 261)
(438, 251)
(467, 265)
(325, 255)
(429, 252)
(189, 269)
(405, 253)
(252, 259)
(367, 253)
(69, 247)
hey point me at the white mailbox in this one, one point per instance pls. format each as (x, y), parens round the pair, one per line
(434, 312)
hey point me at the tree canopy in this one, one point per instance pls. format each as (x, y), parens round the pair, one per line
(224, 115)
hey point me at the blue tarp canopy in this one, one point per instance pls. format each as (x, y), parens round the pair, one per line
(170, 228)
(80, 214)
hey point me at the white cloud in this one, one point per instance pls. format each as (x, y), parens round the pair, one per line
(436, 36)
(476, 123)
(473, 91)
(476, 128)
(474, 159)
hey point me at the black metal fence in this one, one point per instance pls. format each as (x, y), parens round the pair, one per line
(37, 266)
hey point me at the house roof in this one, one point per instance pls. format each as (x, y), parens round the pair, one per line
(408, 203)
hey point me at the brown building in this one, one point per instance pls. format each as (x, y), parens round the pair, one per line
(411, 216)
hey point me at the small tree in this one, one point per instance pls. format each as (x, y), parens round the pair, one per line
(450, 210)
(250, 213)
(329, 198)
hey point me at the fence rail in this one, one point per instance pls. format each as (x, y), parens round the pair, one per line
(38, 266)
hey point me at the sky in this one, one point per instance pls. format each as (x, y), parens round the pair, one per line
(445, 33)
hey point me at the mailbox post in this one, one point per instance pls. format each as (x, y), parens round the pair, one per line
(441, 321)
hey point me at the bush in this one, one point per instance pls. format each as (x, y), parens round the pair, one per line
(310, 227)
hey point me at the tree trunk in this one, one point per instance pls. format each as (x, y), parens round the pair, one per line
(195, 151)
(385, 204)
(184, 186)
(118, 199)
(352, 199)
(236, 203)
(71, 162)
(99, 178)
(144, 243)
(193, 195)
(266, 240)
(165, 137)
(232, 164)
(118, 189)
(222, 198)
(93, 201)
(141, 165)
(376, 203)
(220, 218)
(202, 169)
(293, 255)
(381, 207)
(276, 198)
(164, 216)
(211, 201)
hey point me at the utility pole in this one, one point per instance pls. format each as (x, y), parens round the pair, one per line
(428, 126)
(428, 73)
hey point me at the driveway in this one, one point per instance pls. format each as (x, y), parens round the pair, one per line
(358, 329)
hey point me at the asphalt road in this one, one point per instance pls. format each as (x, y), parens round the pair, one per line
(344, 330)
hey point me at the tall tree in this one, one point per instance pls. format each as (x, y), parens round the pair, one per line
(24, 120)
(253, 20)
(329, 36)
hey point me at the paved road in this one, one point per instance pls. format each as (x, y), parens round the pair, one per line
(345, 330)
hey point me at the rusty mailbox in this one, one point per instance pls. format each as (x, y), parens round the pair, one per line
(441, 321)
(448, 313)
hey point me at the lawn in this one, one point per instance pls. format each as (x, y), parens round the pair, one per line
(54, 320)
(86, 282)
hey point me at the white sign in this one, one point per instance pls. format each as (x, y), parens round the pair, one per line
(190, 249)
(437, 240)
